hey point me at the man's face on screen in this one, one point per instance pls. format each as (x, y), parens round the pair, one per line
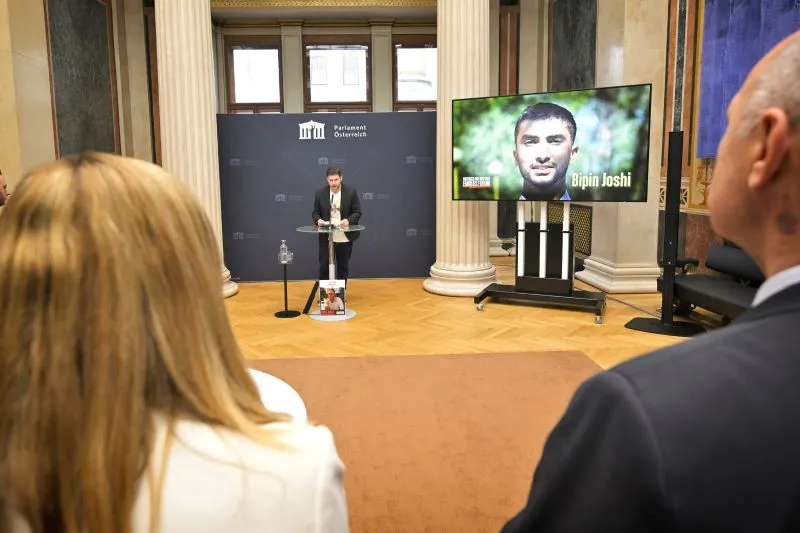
(334, 182)
(543, 154)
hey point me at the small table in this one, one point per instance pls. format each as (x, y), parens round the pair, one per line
(329, 230)
(286, 313)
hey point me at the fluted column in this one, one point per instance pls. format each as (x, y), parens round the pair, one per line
(462, 265)
(187, 107)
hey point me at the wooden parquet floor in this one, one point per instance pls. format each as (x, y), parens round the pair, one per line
(398, 317)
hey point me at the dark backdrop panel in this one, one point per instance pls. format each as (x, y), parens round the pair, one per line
(82, 75)
(268, 177)
(572, 53)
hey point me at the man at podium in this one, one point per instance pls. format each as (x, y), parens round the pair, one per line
(336, 205)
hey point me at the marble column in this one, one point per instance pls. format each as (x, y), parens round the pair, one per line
(27, 133)
(462, 265)
(187, 106)
(625, 236)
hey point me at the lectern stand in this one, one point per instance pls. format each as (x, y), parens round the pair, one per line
(544, 285)
(329, 230)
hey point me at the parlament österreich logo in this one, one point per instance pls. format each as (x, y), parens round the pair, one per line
(312, 130)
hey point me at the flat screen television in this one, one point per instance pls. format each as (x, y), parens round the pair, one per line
(589, 145)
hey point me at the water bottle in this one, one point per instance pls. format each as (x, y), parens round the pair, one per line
(283, 254)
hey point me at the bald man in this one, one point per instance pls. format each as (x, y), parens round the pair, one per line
(703, 436)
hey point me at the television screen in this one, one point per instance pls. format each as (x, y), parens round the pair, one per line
(590, 145)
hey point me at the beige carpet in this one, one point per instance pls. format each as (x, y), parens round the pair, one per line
(436, 443)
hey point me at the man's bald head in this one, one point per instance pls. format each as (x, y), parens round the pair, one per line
(754, 198)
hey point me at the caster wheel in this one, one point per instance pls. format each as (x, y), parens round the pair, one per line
(479, 307)
(598, 319)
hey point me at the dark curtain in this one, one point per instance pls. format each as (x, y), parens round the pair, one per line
(736, 34)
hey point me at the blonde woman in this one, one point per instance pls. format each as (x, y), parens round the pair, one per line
(125, 404)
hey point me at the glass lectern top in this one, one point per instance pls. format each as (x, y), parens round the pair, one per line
(329, 229)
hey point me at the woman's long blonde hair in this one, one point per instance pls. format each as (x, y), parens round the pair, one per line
(111, 313)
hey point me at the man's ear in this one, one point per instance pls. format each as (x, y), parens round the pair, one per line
(772, 138)
(574, 154)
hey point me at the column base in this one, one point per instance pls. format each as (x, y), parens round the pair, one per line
(229, 288)
(619, 279)
(459, 282)
(496, 248)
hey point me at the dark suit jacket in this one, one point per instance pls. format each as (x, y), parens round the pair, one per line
(351, 208)
(703, 436)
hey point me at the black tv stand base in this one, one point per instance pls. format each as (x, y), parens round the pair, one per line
(575, 299)
(661, 327)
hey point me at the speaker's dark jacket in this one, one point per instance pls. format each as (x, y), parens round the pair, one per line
(703, 436)
(350, 208)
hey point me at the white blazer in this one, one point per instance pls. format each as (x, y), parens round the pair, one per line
(277, 491)
(217, 481)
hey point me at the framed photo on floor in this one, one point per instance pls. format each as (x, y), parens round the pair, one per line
(332, 297)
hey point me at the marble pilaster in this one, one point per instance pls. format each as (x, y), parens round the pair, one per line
(382, 75)
(625, 236)
(27, 136)
(291, 50)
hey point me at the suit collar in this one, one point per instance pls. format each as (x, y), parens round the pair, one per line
(784, 302)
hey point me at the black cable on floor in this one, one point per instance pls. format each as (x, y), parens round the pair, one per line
(654, 315)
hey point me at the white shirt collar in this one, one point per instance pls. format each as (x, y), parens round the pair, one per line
(776, 283)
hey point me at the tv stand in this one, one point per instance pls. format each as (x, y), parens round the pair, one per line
(544, 285)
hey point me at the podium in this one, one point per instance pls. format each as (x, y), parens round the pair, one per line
(329, 230)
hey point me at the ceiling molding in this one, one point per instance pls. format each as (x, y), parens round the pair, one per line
(260, 23)
(321, 3)
(429, 23)
(322, 23)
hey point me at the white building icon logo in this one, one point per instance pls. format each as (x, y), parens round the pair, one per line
(312, 130)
